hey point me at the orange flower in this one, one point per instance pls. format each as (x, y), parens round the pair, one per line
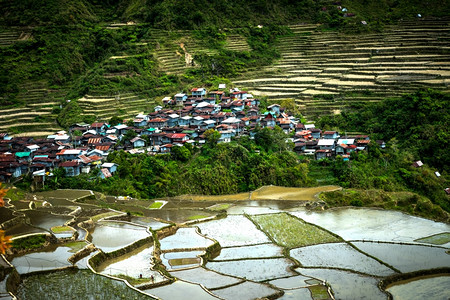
(2, 193)
(5, 242)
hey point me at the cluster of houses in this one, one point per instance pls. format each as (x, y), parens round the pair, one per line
(182, 119)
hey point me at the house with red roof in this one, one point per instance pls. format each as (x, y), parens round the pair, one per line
(198, 92)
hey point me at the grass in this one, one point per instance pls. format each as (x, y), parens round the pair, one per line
(15, 194)
(436, 239)
(197, 217)
(156, 205)
(219, 207)
(76, 246)
(30, 242)
(319, 292)
(291, 232)
(60, 229)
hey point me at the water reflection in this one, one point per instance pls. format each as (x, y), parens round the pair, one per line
(110, 236)
(436, 288)
(373, 224)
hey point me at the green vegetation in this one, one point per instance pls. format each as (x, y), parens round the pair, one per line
(60, 229)
(76, 246)
(291, 232)
(319, 292)
(29, 242)
(437, 239)
(422, 137)
(419, 123)
(215, 169)
(156, 205)
(15, 194)
(197, 217)
(219, 207)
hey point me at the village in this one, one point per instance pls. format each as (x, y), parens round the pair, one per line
(182, 119)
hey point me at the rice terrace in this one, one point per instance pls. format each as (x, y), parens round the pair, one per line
(252, 247)
(209, 149)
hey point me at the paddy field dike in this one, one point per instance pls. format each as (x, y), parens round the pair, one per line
(263, 245)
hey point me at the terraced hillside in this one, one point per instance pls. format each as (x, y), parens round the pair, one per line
(175, 50)
(102, 108)
(324, 72)
(327, 72)
(11, 35)
(36, 117)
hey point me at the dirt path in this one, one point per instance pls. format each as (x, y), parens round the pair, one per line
(268, 193)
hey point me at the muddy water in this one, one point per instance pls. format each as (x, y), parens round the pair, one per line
(46, 220)
(5, 214)
(63, 194)
(436, 288)
(22, 229)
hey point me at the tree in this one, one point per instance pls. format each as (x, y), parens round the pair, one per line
(115, 120)
(181, 153)
(212, 137)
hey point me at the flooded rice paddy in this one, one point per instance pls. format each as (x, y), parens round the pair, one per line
(261, 251)
(110, 236)
(233, 231)
(436, 288)
(254, 251)
(407, 258)
(185, 238)
(246, 291)
(254, 269)
(207, 278)
(50, 259)
(373, 224)
(133, 264)
(340, 256)
(181, 260)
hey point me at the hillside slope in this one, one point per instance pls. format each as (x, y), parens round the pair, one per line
(55, 51)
